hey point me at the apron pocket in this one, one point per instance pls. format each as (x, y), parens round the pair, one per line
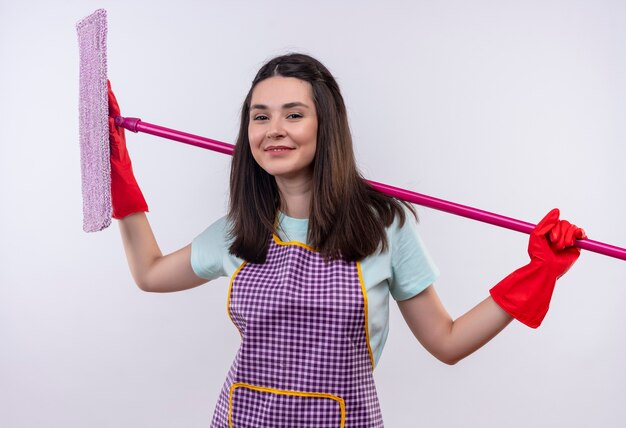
(253, 406)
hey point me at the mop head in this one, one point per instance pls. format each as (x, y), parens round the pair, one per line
(93, 122)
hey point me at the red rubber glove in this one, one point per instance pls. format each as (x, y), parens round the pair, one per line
(525, 294)
(126, 196)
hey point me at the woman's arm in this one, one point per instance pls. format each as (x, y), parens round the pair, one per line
(524, 295)
(151, 270)
(452, 340)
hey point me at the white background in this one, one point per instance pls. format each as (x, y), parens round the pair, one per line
(512, 107)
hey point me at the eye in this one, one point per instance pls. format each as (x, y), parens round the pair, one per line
(260, 117)
(294, 116)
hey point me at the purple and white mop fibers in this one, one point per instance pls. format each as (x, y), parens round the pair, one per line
(93, 122)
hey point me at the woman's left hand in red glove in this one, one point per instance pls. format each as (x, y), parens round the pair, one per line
(526, 293)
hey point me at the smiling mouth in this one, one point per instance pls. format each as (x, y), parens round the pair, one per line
(277, 148)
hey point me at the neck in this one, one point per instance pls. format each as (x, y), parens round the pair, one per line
(295, 196)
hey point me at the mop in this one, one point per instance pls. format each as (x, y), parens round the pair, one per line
(93, 124)
(95, 155)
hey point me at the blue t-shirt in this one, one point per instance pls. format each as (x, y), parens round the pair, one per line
(404, 270)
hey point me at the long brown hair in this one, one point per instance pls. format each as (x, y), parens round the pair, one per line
(348, 217)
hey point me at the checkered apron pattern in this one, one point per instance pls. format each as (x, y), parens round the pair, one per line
(304, 360)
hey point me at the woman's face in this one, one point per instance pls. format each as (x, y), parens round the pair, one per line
(283, 127)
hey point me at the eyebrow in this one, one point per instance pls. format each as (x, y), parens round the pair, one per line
(285, 106)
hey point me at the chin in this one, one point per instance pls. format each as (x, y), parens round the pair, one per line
(290, 174)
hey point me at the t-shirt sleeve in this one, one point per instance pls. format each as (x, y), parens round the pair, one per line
(209, 251)
(413, 270)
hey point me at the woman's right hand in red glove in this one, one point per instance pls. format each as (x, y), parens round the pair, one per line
(126, 196)
(151, 270)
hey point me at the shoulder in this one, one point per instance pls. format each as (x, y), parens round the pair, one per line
(402, 228)
(412, 266)
(210, 255)
(218, 229)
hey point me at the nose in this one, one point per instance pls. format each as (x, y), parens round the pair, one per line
(275, 130)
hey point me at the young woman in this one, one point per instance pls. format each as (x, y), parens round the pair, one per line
(313, 254)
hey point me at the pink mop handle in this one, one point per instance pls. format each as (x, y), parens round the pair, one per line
(489, 217)
(136, 125)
